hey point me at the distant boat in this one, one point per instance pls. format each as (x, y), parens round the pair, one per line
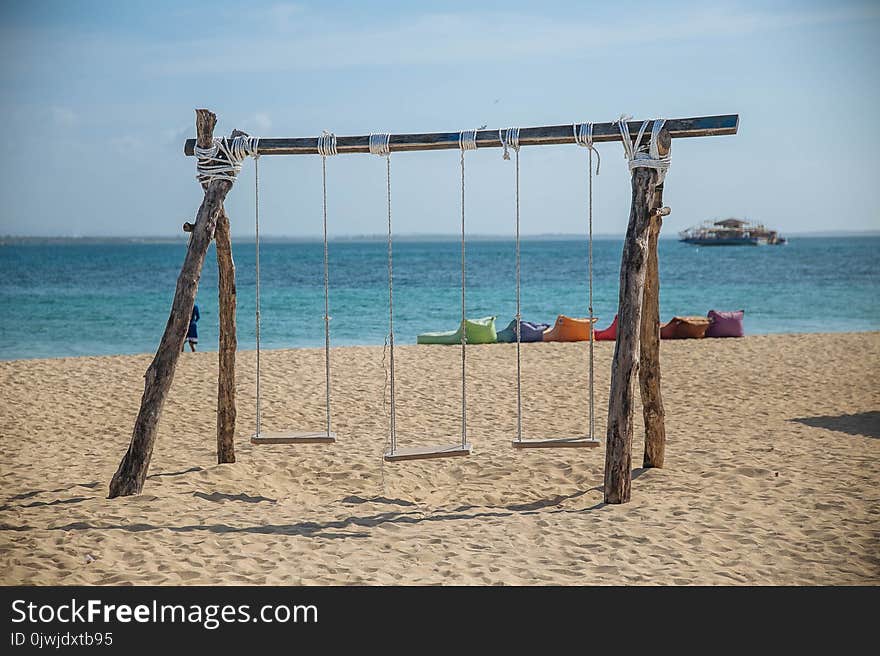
(731, 232)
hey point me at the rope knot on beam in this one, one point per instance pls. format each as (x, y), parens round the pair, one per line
(640, 156)
(380, 144)
(327, 144)
(223, 159)
(509, 141)
(583, 136)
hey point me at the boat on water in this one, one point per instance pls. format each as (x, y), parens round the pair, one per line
(731, 232)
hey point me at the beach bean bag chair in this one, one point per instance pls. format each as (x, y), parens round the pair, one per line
(479, 331)
(684, 328)
(569, 329)
(607, 334)
(725, 324)
(528, 332)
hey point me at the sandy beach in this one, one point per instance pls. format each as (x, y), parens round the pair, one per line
(772, 471)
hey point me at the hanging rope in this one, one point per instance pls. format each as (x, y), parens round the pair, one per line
(510, 140)
(223, 159)
(638, 155)
(583, 136)
(257, 240)
(467, 140)
(380, 144)
(326, 148)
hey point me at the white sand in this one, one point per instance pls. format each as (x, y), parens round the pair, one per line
(749, 495)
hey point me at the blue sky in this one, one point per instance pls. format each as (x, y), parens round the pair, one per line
(98, 97)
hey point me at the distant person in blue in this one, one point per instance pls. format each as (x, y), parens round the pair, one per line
(192, 335)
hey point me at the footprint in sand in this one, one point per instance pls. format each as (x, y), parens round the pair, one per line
(605, 569)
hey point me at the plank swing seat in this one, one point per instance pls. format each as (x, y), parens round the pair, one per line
(557, 443)
(326, 147)
(583, 136)
(293, 437)
(428, 452)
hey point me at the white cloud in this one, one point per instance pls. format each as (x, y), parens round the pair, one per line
(257, 124)
(63, 116)
(127, 144)
(284, 13)
(304, 41)
(179, 134)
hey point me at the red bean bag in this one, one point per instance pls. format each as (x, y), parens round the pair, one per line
(608, 334)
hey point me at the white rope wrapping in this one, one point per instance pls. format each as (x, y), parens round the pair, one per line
(380, 144)
(327, 144)
(583, 136)
(467, 140)
(509, 139)
(637, 155)
(222, 161)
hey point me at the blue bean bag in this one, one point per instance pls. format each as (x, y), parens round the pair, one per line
(528, 332)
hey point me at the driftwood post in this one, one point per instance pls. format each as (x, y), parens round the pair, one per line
(649, 360)
(129, 477)
(633, 266)
(228, 343)
(226, 410)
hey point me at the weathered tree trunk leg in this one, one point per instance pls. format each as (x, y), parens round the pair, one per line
(649, 360)
(618, 450)
(226, 411)
(129, 477)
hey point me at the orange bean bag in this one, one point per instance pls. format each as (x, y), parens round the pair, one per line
(568, 329)
(607, 334)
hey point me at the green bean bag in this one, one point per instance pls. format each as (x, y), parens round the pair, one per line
(479, 331)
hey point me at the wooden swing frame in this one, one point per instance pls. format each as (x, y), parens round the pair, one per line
(636, 350)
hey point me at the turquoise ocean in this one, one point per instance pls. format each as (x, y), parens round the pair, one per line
(72, 298)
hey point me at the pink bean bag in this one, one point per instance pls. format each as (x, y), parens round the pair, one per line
(725, 324)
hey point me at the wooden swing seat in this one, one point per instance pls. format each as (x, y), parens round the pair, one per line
(428, 452)
(557, 443)
(294, 437)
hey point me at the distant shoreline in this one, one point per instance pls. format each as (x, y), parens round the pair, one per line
(421, 347)
(11, 240)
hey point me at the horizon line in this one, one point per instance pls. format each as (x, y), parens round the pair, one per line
(567, 236)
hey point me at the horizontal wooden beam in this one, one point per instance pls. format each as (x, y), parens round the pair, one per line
(701, 126)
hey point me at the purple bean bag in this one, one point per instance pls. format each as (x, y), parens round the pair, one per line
(528, 332)
(725, 324)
